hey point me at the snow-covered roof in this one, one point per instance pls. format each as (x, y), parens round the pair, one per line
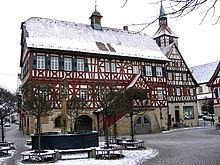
(164, 30)
(203, 73)
(61, 35)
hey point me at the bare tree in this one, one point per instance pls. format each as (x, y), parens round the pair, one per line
(105, 93)
(179, 8)
(133, 100)
(7, 105)
(74, 105)
(36, 103)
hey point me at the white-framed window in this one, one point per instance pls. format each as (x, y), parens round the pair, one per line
(135, 69)
(191, 91)
(113, 66)
(188, 112)
(184, 76)
(80, 64)
(160, 95)
(159, 71)
(83, 94)
(54, 63)
(67, 64)
(170, 76)
(40, 62)
(107, 67)
(178, 91)
(148, 70)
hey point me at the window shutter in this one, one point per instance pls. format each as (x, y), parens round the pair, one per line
(74, 64)
(48, 63)
(86, 65)
(154, 71)
(34, 62)
(144, 70)
(61, 63)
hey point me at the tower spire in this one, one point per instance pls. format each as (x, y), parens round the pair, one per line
(162, 16)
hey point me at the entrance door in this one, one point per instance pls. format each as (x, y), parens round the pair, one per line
(142, 125)
(84, 123)
(177, 116)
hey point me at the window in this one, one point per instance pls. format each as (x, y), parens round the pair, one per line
(170, 76)
(159, 71)
(67, 64)
(40, 62)
(200, 90)
(135, 69)
(178, 91)
(217, 93)
(160, 95)
(80, 64)
(188, 112)
(148, 70)
(83, 94)
(184, 77)
(54, 63)
(113, 67)
(107, 67)
(191, 91)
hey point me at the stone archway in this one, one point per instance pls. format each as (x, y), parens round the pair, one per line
(84, 122)
(142, 124)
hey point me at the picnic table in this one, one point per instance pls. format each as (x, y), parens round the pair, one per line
(4, 150)
(38, 156)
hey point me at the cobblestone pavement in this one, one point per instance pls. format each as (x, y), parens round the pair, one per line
(20, 140)
(196, 146)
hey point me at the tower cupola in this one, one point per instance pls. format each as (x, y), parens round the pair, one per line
(96, 20)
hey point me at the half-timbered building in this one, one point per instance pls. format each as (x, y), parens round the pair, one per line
(83, 54)
(181, 85)
(214, 83)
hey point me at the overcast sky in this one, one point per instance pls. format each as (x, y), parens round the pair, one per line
(198, 44)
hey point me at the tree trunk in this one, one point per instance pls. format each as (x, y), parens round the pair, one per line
(132, 126)
(2, 127)
(39, 132)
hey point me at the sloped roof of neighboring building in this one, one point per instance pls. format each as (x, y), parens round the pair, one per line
(215, 74)
(61, 35)
(203, 73)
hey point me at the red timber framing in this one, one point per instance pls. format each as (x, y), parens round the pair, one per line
(118, 71)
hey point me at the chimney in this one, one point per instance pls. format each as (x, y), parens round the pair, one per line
(125, 28)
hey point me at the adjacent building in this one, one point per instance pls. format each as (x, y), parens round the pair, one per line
(181, 85)
(202, 74)
(214, 83)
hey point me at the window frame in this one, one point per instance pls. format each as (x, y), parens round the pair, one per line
(148, 70)
(159, 71)
(67, 64)
(54, 63)
(135, 69)
(80, 64)
(40, 62)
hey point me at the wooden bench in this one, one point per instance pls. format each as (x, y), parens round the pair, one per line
(77, 151)
(8, 144)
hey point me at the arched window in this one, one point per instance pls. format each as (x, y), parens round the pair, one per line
(58, 122)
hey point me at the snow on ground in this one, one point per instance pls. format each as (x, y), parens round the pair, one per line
(132, 157)
(2, 159)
